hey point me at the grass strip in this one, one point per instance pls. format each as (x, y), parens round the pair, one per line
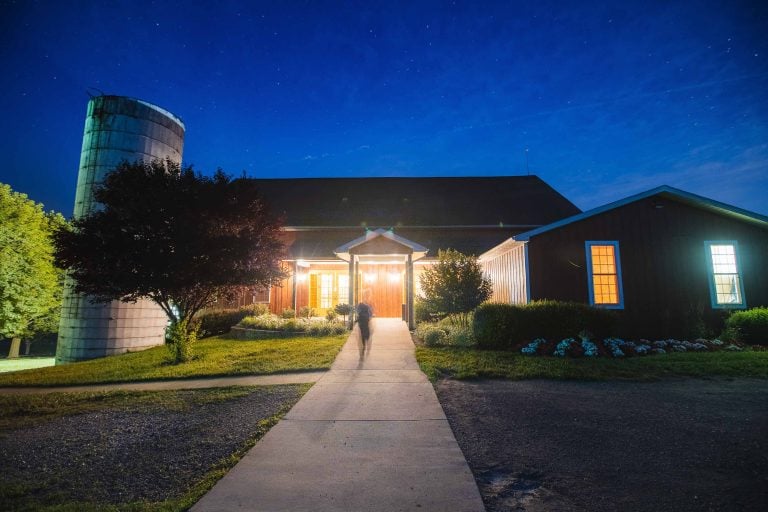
(461, 363)
(214, 357)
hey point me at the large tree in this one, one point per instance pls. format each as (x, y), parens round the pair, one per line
(173, 236)
(30, 284)
(455, 285)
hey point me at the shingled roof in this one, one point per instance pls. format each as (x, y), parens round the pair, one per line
(520, 201)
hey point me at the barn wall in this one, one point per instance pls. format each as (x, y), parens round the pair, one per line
(663, 260)
(506, 270)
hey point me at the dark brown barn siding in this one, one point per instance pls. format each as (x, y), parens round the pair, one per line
(663, 260)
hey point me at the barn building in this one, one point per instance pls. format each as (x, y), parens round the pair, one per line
(665, 259)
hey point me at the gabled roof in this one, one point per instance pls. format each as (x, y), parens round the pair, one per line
(510, 201)
(665, 191)
(409, 247)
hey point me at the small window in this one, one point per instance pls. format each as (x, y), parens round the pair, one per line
(725, 285)
(604, 274)
(326, 290)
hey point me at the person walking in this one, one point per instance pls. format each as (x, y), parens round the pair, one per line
(364, 312)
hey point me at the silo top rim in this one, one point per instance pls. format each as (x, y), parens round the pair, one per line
(149, 105)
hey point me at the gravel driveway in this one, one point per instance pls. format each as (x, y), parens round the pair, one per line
(142, 453)
(682, 445)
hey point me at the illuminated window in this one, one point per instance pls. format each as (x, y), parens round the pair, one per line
(604, 273)
(725, 286)
(343, 289)
(326, 290)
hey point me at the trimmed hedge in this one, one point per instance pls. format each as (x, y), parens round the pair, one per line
(507, 326)
(221, 321)
(750, 326)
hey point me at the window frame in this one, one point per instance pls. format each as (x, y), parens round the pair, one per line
(711, 275)
(590, 278)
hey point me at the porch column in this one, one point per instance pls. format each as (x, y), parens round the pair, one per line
(352, 290)
(409, 292)
(295, 278)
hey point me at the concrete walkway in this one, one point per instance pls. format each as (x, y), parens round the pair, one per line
(369, 436)
(164, 385)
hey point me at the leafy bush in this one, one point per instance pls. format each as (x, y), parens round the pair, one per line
(219, 322)
(750, 326)
(506, 326)
(435, 336)
(343, 310)
(423, 311)
(455, 285)
(444, 333)
(306, 312)
(288, 313)
(331, 315)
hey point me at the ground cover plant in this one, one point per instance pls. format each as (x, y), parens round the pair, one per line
(138, 451)
(467, 363)
(618, 348)
(216, 356)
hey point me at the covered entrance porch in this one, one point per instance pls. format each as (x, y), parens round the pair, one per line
(380, 263)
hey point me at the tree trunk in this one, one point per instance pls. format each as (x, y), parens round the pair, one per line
(14, 352)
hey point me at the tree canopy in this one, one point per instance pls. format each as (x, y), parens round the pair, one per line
(174, 236)
(30, 283)
(455, 285)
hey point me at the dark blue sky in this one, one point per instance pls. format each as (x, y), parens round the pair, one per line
(610, 98)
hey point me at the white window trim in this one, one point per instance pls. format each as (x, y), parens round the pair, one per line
(619, 281)
(711, 275)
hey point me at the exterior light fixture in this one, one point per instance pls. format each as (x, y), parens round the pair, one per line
(393, 277)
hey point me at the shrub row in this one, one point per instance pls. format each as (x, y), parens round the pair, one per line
(221, 321)
(750, 326)
(507, 326)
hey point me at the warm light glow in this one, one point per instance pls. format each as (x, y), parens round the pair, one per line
(604, 278)
(301, 277)
(370, 277)
(393, 277)
(725, 274)
(302, 263)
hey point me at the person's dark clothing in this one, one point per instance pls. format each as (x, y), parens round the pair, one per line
(364, 314)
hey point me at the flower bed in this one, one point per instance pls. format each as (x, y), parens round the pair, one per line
(271, 326)
(618, 348)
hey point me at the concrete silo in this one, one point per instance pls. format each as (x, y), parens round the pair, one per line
(116, 129)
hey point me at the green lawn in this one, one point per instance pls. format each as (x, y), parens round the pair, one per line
(469, 363)
(217, 356)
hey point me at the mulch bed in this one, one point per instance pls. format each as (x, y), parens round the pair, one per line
(124, 455)
(680, 445)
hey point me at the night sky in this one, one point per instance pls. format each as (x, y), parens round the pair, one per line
(610, 99)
